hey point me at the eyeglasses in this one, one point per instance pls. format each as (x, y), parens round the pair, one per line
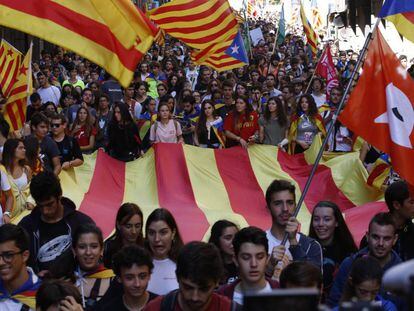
(55, 125)
(9, 256)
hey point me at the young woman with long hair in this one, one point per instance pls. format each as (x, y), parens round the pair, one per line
(305, 125)
(128, 231)
(328, 227)
(163, 240)
(241, 125)
(92, 278)
(123, 133)
(165, 129)
(84, 130)
(18, 174)
(273, 125)
(222, 235)
(208, 132)
(33, 160)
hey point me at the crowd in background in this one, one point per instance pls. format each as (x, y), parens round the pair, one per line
(78, 108)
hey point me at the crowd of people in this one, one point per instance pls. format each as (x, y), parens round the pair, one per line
(56, 258)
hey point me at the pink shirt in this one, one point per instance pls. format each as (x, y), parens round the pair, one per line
(165, 133)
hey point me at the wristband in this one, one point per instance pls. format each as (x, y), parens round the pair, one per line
(7, 213)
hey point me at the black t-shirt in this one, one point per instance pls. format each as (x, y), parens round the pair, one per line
(117, 303)
(48, 151)
(201, 87)
(224, 111)
(69, 149)
(54, 244)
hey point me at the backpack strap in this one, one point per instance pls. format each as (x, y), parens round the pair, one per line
(168, 302)
(155, 128)
(25, 308)
(95, 290)
(176, 128)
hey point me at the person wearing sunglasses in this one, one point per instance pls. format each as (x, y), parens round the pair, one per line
(70, 153)
(18, 282)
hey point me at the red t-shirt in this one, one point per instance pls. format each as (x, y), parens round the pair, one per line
(82, 138)
(217, 303)
(246, 126)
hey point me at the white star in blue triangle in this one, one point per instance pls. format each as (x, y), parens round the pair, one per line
(237, 51)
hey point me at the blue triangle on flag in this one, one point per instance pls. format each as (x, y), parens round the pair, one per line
(237, 50)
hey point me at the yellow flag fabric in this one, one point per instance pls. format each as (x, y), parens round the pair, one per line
(183, 179)
(113, 33)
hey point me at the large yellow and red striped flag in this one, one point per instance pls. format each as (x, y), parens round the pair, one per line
(113, 33)
(10, 59)
(15, 108)
(209, 26)
(201, 186)
(198, 23)
(311, 34)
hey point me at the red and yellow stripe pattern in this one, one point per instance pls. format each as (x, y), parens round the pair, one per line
(311, 35)
(10, 59)
(201, 186)
(114, 35)
(198, 23)
(15, 108)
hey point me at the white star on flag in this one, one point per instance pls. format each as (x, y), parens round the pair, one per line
(235, 49)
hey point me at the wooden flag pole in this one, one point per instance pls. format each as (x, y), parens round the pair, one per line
(332, 124)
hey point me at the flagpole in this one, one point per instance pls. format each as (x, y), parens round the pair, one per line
(332, 124)
(274, 44)
(314, 72)
(246, 25)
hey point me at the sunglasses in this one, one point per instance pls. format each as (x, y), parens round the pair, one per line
(55, 125)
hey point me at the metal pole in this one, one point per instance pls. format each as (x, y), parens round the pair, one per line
(313, 75)
(331, 126)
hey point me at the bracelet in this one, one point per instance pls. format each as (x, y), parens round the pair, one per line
(7, 213)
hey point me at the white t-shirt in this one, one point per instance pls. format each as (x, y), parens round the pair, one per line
(319, 100)
(273, 242)
(49, 94)
(238, 296)
(163, 278)
(5, 186)
(165, 133)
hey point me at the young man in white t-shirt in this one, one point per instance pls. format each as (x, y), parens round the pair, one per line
(281, 202)
(251, 253)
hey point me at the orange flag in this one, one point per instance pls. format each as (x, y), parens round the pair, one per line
(380, 108)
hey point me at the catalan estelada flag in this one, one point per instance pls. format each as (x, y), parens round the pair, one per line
(401, 14)
(311, 35)
(198, 23)
(200, 186)
(15, 109)
(113, 33)
(10, 59)
(227, 55)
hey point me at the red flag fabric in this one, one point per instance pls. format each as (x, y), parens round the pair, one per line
(326, 69)
(380, 108)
